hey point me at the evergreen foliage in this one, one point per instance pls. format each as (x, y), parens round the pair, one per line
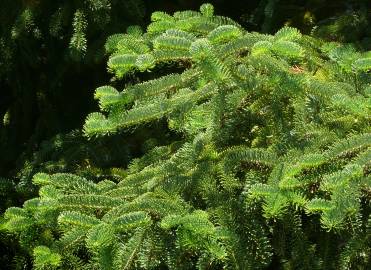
(44, 47)
(335, 20)
(270, 166)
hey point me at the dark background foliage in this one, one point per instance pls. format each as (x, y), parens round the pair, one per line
(52, 59)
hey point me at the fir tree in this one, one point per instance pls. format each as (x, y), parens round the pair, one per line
(271, 166)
